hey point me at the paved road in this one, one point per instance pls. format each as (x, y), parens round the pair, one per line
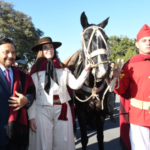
(111, 134)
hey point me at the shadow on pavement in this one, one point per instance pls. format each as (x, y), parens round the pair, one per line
(91, 134)
(111, 145)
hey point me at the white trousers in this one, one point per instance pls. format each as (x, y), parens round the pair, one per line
(139, 137)
(51, 133)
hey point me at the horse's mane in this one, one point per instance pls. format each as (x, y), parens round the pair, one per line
(71, 61)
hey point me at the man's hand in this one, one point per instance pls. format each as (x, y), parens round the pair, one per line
(116, 73)
(33, 125)
(19, 101)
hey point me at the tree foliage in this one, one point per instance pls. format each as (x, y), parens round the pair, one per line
(19, 27)
(122, 48)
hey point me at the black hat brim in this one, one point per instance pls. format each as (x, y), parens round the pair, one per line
(36, 47)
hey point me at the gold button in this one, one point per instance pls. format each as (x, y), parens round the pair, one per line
(147, 60)
(149, 97)
(149, 77)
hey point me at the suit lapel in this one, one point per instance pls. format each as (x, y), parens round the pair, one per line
(4, 81)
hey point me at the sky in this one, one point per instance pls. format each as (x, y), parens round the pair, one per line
(60, 19)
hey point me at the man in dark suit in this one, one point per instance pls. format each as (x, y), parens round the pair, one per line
(7, 98)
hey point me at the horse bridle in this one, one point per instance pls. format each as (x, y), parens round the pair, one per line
(120, 64)
(88, 59)
(89, 56)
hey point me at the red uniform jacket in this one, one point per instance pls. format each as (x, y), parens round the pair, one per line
(135, 83)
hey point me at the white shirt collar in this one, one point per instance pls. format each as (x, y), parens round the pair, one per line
(3, 68)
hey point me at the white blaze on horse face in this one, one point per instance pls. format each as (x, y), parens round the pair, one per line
(101, 69)
(97, 34)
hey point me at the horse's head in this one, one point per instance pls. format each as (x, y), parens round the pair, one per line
(95, 47)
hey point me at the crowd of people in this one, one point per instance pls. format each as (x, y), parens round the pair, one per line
(40, 100)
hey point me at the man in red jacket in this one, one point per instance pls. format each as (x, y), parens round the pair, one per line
(134, 88)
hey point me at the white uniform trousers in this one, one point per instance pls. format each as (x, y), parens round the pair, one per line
(51, 133)
(139, 137)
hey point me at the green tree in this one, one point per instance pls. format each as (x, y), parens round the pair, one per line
(19, 27)
(122, 48)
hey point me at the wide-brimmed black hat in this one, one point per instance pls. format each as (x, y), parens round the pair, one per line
(45, 40)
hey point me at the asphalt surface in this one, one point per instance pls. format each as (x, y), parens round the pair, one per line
(111, 133)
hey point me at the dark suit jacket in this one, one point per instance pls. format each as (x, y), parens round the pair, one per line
(5, 93)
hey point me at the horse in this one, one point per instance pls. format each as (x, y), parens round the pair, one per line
(90, 99)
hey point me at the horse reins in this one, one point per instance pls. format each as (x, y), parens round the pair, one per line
(88, 57)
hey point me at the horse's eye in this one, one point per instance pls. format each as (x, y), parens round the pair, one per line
(86, 36)
(86, 39)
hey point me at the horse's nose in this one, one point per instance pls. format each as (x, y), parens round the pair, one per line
(101, 71)
(100, 75)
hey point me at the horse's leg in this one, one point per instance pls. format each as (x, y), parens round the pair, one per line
(75, 126)
(82, 123)
(99, 125)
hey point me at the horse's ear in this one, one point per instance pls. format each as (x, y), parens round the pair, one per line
(84, 21)
(104, 23)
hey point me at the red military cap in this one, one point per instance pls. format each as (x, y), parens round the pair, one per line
(144, 32)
